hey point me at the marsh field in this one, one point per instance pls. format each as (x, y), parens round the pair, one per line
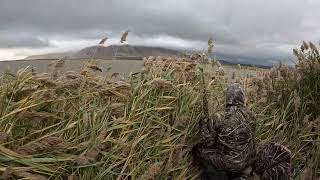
(67, 122)
(43, 65)
(123, 67)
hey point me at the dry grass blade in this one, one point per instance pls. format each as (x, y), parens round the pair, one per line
(11, 173)
(48, 144)
(220, 71)
(295, 52)
(301, 48)
(47, 82)
(313, 47)
(115, 75)
(24, 93)
(210, 45)
(73, 177)
(218, 63)
(117, 109)
(305, 45)
(124, 36)
(152, 172)
(95, 68)
(306, 174)
(60, 63)
(233, 75)
(162, 84)
(4, 137)
(103, 40)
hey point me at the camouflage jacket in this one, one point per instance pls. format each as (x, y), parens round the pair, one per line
(228, 139)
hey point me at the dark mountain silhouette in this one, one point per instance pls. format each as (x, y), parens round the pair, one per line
(108, 52)
(138, 52)
(50, 56)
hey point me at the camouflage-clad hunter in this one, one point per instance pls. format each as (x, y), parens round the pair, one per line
(228, 138)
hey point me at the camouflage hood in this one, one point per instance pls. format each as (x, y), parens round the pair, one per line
(235, 95)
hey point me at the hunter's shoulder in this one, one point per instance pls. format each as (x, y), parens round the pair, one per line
(246, 110)
(218, 116)
(250, 113)
(217, 119)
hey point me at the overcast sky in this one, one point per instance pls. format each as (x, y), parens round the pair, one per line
(261, 29)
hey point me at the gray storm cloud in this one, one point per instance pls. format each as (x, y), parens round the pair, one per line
(256, 28)
(18, 40)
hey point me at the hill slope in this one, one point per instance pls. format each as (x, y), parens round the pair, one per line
(136, 53)
(103, 52)
(50, 56)
(126, 50)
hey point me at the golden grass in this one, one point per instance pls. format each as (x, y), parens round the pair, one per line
(81, 125)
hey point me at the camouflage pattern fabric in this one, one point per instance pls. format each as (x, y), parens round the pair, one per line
(235, 95)
(274, 162)
(227, 138)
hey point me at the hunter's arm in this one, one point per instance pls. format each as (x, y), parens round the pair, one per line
(208, 129)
